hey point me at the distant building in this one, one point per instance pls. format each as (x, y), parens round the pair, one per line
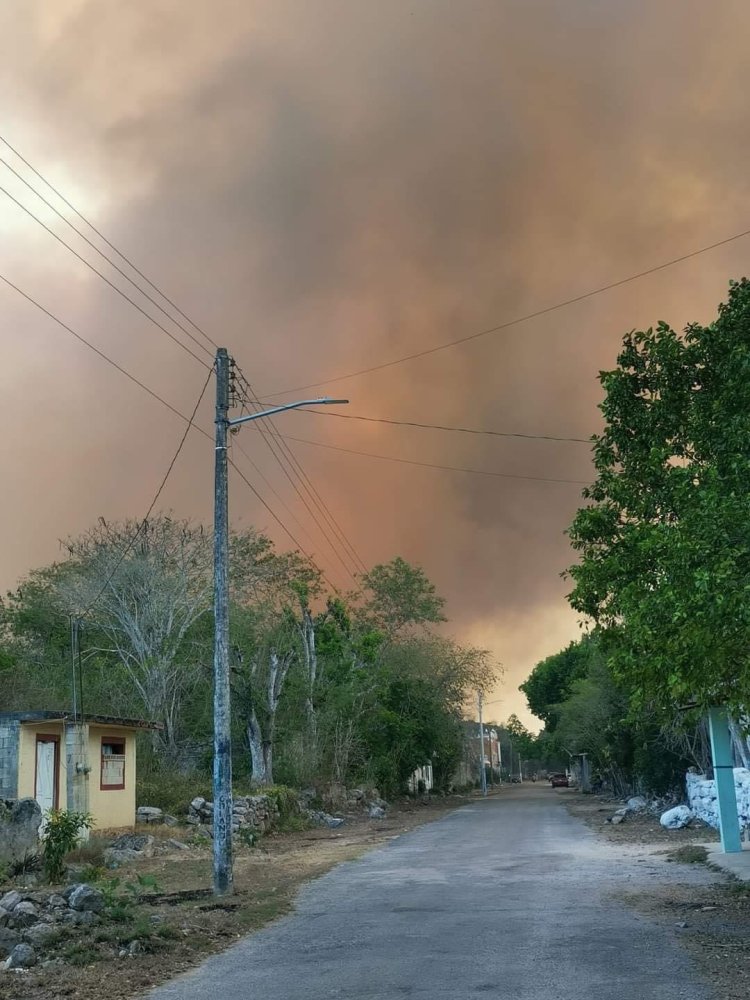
(421, 780)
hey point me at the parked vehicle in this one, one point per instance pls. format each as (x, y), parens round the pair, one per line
(559, 781)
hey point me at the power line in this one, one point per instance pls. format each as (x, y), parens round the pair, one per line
(160, 399)
(432, 465)
(102, 355)
(519, 319)
(307, 484)
(278, 454)
(169, 316)
(109, 260)
(158, 493)
(314, 494)
(101, 236)
(444, 427)
(104, 278)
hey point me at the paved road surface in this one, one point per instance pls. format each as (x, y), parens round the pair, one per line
(507, 898)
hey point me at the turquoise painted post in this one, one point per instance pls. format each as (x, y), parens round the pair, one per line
(721, 751)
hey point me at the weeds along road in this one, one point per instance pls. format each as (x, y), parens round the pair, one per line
(509, 897)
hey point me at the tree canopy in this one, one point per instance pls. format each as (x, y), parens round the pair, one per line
(664, 544)
(355, 689)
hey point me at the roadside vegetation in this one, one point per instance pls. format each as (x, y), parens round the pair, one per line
(663, 576)
(355, 689)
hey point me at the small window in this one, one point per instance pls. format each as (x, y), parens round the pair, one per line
(113, 763)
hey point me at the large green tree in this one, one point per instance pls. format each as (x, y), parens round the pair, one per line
(551, 680)
(664, 540)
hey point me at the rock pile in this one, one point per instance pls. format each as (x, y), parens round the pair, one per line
(254, 813)
(320, 818)
(129, 847)
(29, 920)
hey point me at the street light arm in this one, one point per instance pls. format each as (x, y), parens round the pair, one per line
(324, 401)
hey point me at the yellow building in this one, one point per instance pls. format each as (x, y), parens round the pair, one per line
(85, 764)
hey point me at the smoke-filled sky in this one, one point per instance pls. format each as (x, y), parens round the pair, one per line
(327, 185)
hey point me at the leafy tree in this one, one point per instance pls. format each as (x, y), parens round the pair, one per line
(664, 556)
(398, 595)
(143, 598)
(271, 630)
(550, 682)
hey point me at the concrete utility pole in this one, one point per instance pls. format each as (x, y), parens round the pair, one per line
(483, 772)
(726, 793)
(222, 772)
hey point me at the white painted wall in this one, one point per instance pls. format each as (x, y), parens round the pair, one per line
(701, 793)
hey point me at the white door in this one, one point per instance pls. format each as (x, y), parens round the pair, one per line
(45, 774)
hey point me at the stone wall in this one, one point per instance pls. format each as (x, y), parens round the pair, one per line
(19, 829)
(701, 793)
(255, 813)
(9, 735)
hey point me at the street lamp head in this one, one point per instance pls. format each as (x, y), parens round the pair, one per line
(326, 400)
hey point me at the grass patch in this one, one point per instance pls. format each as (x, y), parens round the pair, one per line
(90, 852)
(689, 854)
(80, 953)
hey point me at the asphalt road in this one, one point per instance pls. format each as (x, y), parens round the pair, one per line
(508, 897)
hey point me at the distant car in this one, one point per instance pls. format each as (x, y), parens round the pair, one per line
(559, 781)
(515, 780)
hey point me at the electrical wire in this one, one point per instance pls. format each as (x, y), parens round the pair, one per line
(432, 465)
(101, 236)
(444, 427)
(290, 475)
(160, 399)
(282, 444)
(275, 440)
(109, 260)
(515, 322)
(136, 535)
(104, 278)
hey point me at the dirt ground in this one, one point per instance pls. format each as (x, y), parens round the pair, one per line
(712, 919)
(178, 923)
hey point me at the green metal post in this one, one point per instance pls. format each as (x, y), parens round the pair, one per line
(721, 751)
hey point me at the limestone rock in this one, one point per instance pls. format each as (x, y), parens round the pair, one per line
(638, 803)
(8, 940)
(677, 818)
(10, 900)
(39, 934)
(25, 914)
(376, 811)
(19, 829)
(148, 814)
(23, 956)
(178, 844)
(85, 897)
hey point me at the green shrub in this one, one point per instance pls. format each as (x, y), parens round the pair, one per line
(286, 801)
(171, 790)
(60, 837)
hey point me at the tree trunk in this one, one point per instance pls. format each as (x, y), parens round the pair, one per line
(268, 762)
(740, 746)
(307, 630)
(257, 751)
